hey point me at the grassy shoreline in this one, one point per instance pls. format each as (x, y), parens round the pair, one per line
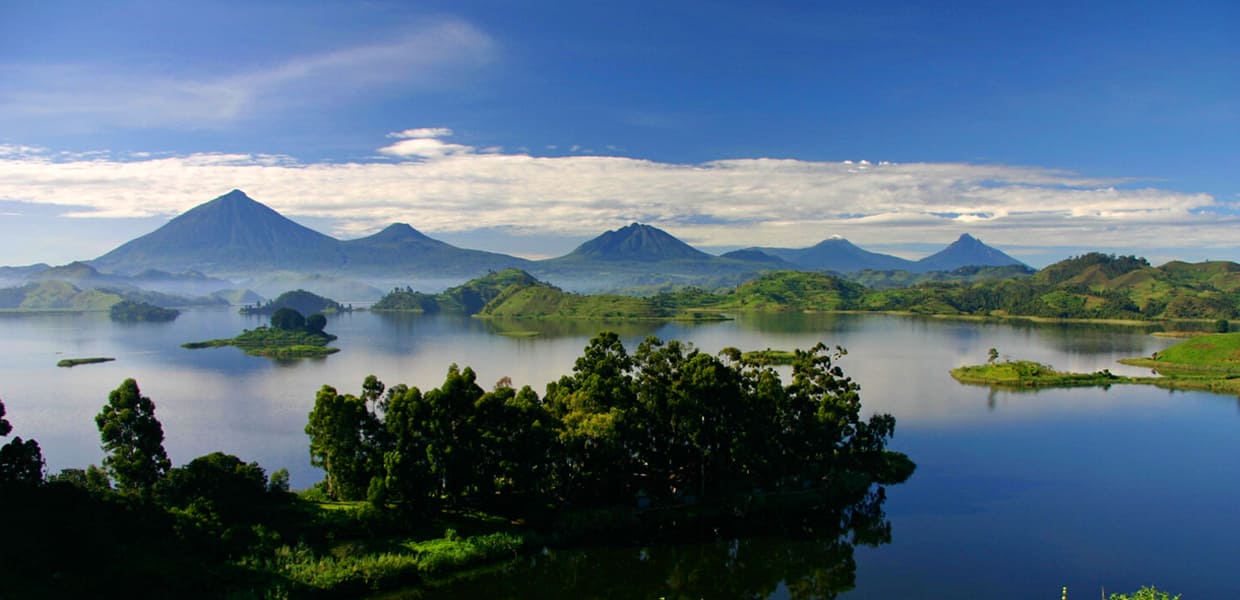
(274, 343)
(1208, 363)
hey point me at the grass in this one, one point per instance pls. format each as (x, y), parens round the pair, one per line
(1030, 374)
(274, 343)
(770, 357)
(1208, 363)
(1216, 353)
(73, 362)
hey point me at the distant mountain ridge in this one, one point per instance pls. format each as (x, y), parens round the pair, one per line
(236, 234)
(839, 255)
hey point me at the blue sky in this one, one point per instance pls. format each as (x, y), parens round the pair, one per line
(1045, 128)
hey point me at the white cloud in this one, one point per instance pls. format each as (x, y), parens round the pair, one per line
(422, 132)
(99, 95)
(760, 201)
(423, 143)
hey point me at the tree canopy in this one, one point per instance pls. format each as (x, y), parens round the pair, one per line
(21, 461)
(669, 424)
(132, 438)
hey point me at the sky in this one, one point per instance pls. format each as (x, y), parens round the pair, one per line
(1045, 129)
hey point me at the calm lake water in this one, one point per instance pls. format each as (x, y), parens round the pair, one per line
(1015, 495)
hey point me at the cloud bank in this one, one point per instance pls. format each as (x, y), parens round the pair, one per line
(442, 187)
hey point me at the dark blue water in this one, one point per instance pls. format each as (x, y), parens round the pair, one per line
(1016, 494)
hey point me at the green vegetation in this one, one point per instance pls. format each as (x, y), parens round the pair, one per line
(1145, 593)
(665, 442)
(1029, 374)
(515, 294)
(467, 298)
(301, 301)
(129, 311)
(769, 357)
(1207, 362)
(21, 462)
(898, 279)
(290, 336)
(1093, 286)
(56, 295)
(1217, 354)
(73, 362)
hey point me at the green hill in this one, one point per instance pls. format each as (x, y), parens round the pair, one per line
(467, 298)
(56, 295)
(792, 291)
(306, 303)
(543, 301)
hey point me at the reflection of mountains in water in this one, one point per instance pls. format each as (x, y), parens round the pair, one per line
(808, 551)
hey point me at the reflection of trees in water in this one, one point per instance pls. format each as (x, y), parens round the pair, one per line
(554, 328)
(810, 551)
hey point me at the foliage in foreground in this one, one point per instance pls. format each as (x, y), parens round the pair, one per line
(687, 435)
(666, 425)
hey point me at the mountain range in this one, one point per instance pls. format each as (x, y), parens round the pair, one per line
(235, 236)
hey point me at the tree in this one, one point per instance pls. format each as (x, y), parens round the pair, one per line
(288, 319)
(596, 406)
(992, 355)
(315, 323)
(344, 442)
(133, 439)
(229, 486)
(21, 461)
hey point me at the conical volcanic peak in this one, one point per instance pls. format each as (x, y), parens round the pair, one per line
(966, 251)
(637, 242)
(840, 255)
(230, 232)
(395, 234)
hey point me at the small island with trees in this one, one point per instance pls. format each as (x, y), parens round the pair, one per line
(306, 303)
(1205, 362)
(290, 335)
(129, 311)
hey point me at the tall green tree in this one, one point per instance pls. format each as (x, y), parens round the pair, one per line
(408, 478)
(518, 446)
(454, 443)
(344, 441)
(596, 406)
(133, 439)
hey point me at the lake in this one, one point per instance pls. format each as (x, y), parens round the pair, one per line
(1016, 493)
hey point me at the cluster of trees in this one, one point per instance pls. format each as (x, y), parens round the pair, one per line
(131, 311)
(21, 461)
(1091, 286)
(136, 523)
(301, 301)
(288, 319)
(667, 424)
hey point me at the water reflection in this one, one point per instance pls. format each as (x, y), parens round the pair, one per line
(802, 555)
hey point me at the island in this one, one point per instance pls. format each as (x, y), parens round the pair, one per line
(306, 303)
(515, 294)
(129, 311)
(1208, 362)
(290, 335)
(73, 362)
